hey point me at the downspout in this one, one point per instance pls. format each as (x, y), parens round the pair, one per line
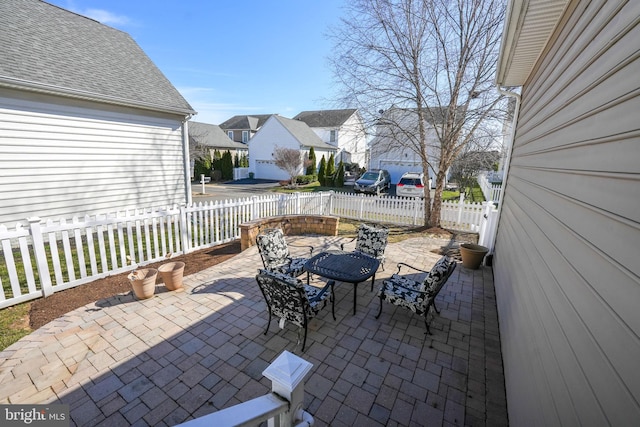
(187, 160)
(507, 161)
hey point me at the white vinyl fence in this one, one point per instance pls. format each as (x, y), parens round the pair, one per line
(40, 258)
(490, 190)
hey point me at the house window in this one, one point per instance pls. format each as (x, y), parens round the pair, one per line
(230, 134)
(332, 136)
(245, 136)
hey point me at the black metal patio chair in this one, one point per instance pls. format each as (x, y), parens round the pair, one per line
(371, 240)
(275, 254)
(292, 300)
(417, 296)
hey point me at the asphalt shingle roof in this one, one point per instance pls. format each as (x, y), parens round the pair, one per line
(246, 122)
(48, 48)
(212, 136)
(303, 133)
(325, 118)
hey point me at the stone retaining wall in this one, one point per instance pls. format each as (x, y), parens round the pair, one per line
(290, 224)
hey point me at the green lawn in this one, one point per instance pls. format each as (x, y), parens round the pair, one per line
(14, 324)
(473, 195)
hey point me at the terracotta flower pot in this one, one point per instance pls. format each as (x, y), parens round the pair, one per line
(171, 273)
(472, 255)
(143, 282)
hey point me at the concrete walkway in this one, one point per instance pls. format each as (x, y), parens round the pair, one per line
(181, 355)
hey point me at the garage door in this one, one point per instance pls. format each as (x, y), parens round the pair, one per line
(266, 169)
(396, 169)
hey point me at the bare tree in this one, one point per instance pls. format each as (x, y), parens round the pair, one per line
(433, 58)
(290, 161)
(198, 151)
(199, 154)
(476, 157)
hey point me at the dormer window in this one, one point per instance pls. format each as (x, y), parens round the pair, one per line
(332, 135)
(230, 134)
(245, 136)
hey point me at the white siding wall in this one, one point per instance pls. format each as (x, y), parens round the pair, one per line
(325, 135)
(567, 264)
(353, 139)
(261, 146)
(398, 160)
(61, 159)
(350, 138)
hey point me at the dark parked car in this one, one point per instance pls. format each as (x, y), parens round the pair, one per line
(374, 181)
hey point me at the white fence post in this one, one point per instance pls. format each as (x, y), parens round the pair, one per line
(41, 255)
(487, 225)
(254, 207)
(331, 194)
(460, 207)
(184, 234)
(287, 373)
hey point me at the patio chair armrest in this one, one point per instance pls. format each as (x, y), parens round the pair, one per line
(342, 245)
(320, 294)
(400, 264)
(311, 248)
(389, 284)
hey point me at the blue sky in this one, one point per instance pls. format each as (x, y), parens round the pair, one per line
(230, 57)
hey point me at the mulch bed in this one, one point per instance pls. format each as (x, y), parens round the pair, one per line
(44, 310)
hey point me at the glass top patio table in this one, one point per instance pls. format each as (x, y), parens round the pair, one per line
(350, 267)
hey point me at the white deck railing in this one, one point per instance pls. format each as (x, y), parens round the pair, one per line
(39, 258)
(281, 408)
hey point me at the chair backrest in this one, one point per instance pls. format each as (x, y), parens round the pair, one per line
(438, 275)
(372, 240)
(272, 247)
(284, 295)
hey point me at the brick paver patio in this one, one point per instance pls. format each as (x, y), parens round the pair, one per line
(181, 355)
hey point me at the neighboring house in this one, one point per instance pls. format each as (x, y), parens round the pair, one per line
(242, 128)
(344, 129)
(566, 264)
(88, 123)
(286, 133)
(391, 148)
(213, 138)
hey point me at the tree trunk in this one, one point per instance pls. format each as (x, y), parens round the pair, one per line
(437, 199)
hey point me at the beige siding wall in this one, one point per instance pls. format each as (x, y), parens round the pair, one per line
(567, 264)
(64, 159)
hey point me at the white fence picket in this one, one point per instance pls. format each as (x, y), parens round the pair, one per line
(92, 247)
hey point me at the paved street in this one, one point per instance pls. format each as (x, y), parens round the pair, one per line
(231, 189)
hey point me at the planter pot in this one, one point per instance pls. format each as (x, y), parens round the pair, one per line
(143, 282)
(171, 273)
(472, 255)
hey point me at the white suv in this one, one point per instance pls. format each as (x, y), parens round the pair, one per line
(411, 185)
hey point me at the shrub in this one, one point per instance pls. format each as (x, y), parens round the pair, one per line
(311, 168)
(322, 170)
(331, 167)
(305, 179)
(202, 166)
(339, 181)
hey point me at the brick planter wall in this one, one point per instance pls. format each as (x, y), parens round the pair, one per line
(290, 224)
